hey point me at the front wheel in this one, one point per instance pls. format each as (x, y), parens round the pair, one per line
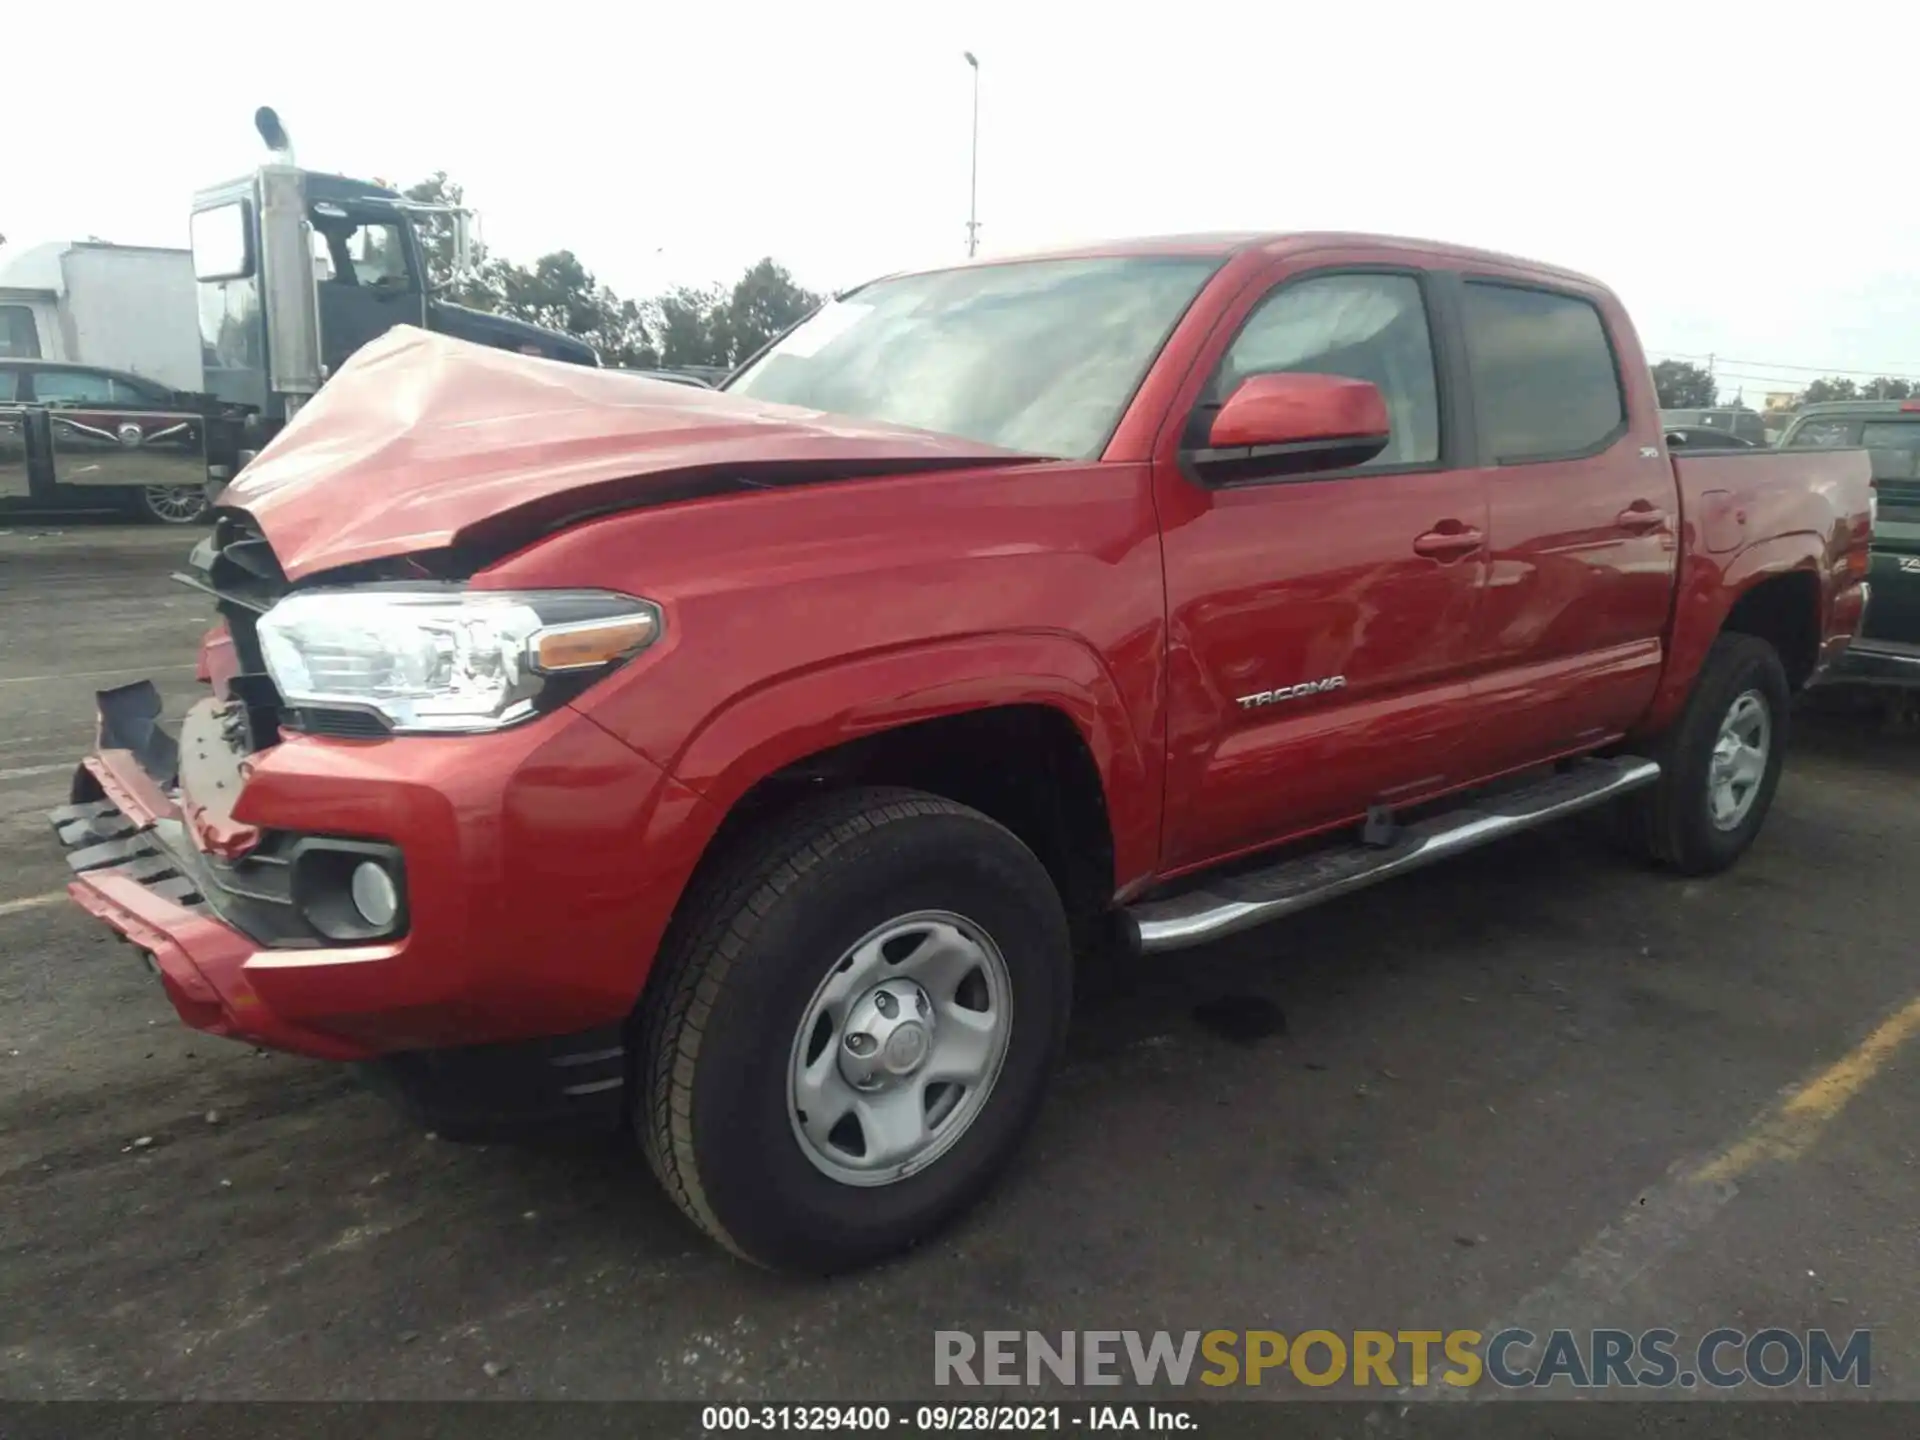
(852, 1027)
(1720, 764)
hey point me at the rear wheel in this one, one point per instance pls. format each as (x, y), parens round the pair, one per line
(1720, 764)
(852, 1028)
(171, 504)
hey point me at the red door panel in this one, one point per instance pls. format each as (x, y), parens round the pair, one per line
(1275, 586)
(1582, 548)
(1321, 628)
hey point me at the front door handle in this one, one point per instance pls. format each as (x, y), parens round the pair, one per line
(1640, 517)
(1448, 540)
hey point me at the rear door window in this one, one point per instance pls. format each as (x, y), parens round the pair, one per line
(131, 392)
(1891, 434)
(72, 387)
(1896, 448)
(1545, 383)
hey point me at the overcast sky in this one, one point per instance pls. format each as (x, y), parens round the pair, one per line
(1745, 178)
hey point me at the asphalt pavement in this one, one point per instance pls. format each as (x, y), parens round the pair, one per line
(1540, 1085)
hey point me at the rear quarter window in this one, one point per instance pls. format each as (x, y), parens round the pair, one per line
(1545, 383)
(1891, 434)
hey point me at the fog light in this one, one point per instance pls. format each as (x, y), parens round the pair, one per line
(374, 895)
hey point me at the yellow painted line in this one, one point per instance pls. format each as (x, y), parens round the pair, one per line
(32, 902)
(1785, 1131)
(1666, 1217)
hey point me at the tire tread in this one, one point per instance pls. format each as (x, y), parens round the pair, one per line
(1654, 822)
(715, 925)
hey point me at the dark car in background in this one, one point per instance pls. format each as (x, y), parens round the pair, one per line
(83, 437)
(1888, 650)
(1735, 421)
(1702, 437)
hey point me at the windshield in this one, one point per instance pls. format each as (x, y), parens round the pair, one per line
(1040, 356)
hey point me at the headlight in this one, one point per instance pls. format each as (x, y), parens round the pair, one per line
(446, 660)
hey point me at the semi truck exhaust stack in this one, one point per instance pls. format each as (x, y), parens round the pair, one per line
(267, 121)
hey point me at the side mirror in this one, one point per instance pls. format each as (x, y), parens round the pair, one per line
(222, 241)
(1290, 424)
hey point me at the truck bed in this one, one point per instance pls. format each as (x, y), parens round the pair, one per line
(1735, 500)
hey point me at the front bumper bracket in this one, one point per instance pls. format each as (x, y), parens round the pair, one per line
(98, 837)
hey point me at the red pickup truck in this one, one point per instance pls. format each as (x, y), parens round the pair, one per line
(750, 766)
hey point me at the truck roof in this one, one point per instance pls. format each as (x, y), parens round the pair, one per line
(320, 185)
(1228, 243)
(1859, 407)
(38, 267)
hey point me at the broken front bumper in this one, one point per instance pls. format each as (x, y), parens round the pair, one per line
(131, 844)
(533, 898)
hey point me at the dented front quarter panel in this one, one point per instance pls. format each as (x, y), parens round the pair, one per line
(798, 620)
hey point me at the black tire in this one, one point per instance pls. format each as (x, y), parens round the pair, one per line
(1671, 822)
(754, 940)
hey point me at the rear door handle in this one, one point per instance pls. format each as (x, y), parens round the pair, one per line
(1448, 541)
(1640, 517)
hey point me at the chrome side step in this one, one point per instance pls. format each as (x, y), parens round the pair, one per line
(1238, 902)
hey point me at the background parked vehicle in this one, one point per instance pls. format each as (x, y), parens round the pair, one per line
(749, 767)
(1737, 421)
(1701, 437)
(296, 270)
(128, 308)
(1888, 651)
(75, 435)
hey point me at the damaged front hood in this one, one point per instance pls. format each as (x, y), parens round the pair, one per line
(421, 442)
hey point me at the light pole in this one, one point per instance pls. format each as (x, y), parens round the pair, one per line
(973, 183)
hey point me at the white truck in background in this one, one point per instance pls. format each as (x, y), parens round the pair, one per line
(100, 381)
(121, 307)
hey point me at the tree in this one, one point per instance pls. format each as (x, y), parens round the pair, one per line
(436, 231)
(1682, 386)
(688, 325)
(707, 325)
(765, 302)
(1887, 388)
(692, 325)
(560, 293)
(1833, 387)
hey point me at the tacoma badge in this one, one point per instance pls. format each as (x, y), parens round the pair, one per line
(1292, 692)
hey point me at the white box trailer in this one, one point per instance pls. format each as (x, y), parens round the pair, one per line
(122, 307)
